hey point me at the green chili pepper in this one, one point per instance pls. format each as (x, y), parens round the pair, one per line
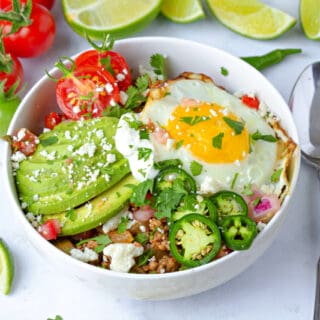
(229, 203)
(194, 240)
(238, 232)
(167, 176)
(191, 204)
(268, 59)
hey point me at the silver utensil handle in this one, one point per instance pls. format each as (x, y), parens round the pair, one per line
(316, 315)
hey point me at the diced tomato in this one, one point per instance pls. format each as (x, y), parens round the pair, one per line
(52, 119)
(50, 229)
(251, 102)
(110, 61)
(25, 141)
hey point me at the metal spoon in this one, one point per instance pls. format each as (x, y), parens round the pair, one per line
(305, 106)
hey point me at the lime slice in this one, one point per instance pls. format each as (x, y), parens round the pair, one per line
(251, 18)
(6, 268)
(310, 18)
(182, 11)
(117, 17)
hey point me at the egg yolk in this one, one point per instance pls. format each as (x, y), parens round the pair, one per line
(210, 132)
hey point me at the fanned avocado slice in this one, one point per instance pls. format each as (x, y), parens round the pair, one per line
(97, 211)
(73, 163)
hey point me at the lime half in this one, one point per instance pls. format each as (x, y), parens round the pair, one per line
(252, 18)
(117, 17)
(182, 11)
(6, 268)
(310, 18)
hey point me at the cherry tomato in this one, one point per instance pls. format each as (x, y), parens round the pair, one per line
(15, 75)
(50, 229)
(111, 61)
(52, 119)
(31, 40)
(86, 92)
(251, 102)
(25, 141)
(46, 3)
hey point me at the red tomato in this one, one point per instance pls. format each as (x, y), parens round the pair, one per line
(47, 3)
(86, 93)
(15, 75)
(32, 40)
(251, 102)
(118, 64)
(52, 119)
(25, 141)
(50, 229)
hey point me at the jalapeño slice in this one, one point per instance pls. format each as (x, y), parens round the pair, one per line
(193, 204)
(194, 240)
(168, 175)
(229, 203)
(238, 232)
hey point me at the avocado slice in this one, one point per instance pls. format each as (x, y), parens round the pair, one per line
(97, 211)
(73, 163)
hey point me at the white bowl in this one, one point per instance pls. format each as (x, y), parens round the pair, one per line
(182, 56)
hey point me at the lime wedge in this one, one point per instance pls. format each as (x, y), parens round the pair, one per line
(310, 18)
(116, 17)
(251, 18)
(6, 268)
(182, 11)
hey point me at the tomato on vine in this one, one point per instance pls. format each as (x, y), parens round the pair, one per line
(28, 28)
(85, 92)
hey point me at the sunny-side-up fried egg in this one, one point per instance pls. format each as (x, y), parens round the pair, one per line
(193, 120)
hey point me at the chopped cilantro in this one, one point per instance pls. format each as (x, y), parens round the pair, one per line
(122, 227)
(247, 190)
(233, 183)
(71, 214)
(237, 126)
(217, 140)
(276, 175)
(142, 172)
(194, 120)
(224, 71)
(56, 318)
(265, 137)
(144, 153)
(256, 201)
(167, 163)
(144, 134)
(195, 168)
(101, 240)
(106, 63)
(157, 62)
(142, 238)
(179, 144)
(143, 259)
(49, 141)
(140, 191)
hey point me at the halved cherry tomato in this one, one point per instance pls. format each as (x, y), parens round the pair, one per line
(25, 141)
(16, 74)
(52, 119)
(111, 61)
(29, 40)
(50, 229)
(251, 102)
(86, 92)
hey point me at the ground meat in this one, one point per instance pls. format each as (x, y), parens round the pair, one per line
(168, 264)
(159, 234)
(91, 244)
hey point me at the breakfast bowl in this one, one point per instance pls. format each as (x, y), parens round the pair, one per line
(181, 56)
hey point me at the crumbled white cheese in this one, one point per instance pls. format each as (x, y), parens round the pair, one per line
(113, 223)
(18, 157)
(88, 148)
(21, 134)
(109, 87)
(207, 186)
(123, 97)
(87, 255)
(120, 77)
(76, 109)
(122, 255)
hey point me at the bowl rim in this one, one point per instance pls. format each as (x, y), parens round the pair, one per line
(177, 274)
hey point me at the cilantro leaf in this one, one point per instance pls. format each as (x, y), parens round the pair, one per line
(179, 144)
(101, 240)
(265, 137)
(106, 63)
(143, 259)
(49, 141)
(166, 202)
(144, 134)
(157, 62)
(276, 175)
(237, 126)
(195, 168)
(247, 190)
(233, 183)
(122, 227)
(144, 153)
(56, 318)
(256, 201)
(194, 120)
(142, 238)
(167, 163)
(71, 214)
(224, 71)
(217, 140)
(140, 191)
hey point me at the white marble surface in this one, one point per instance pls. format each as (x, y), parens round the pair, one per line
(280, 285)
